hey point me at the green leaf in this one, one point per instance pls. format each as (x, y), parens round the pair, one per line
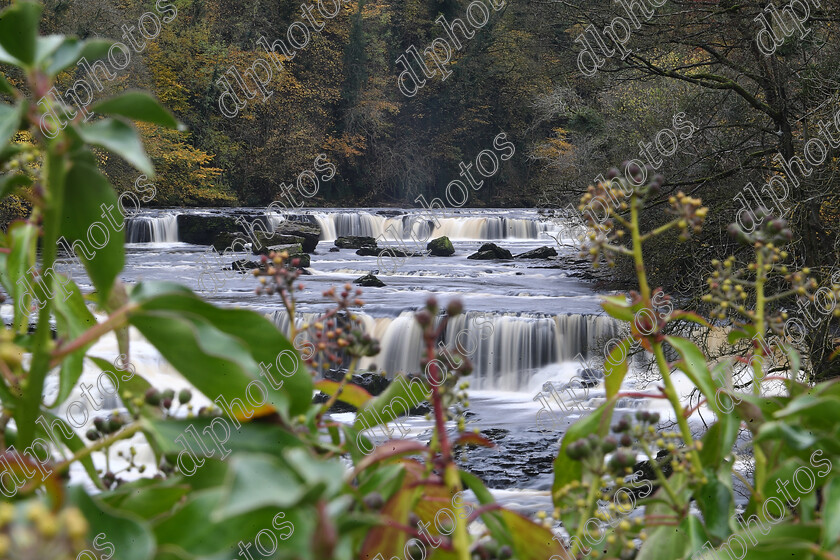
(46, 45)
(19, 30)
(192, 530)
(147, 497)
(696, 534)
(831, 513)
(72, 318)
(129, 535)
(565, 468)
(5, 86)
(9, 121)
(615, 367)
(251, 438)
(783, 542)
(72, 50)
(665, 543)
(693, 363)
(618, 308)
(256, 335)
(256, 481)
(86, 190)
(22, 239)
(137, 106)
(394, 401)
(10, 182)
(793, 436)
(119, 138)
(715, 502)
(741, 332)
(530, 541)
(688, 316)
(350, 394)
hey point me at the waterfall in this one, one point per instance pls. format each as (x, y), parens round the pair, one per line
(340, 224)
(505, 349)
(161, 228)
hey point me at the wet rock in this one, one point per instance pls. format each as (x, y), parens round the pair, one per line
(303, 259)
(231, 242)
(202, 229)
(441, 247)
(663, 459)
(334, 249)
(292, 249)
(385, 251)
(490, 251)
(543, 252)
(590, 377)
(310, 233)
(369, 281)
(355, 242)
(243, 266)
(267, 240)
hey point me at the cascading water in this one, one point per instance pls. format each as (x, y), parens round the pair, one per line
(505, 349)
(161, 228)
(340, 224)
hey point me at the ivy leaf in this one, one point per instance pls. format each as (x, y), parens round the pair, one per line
(85, 192)
(615, 367)
(116, 136)
(618, 308)
(9, 121)
(72, 50)
(137, 106)
(19, 30)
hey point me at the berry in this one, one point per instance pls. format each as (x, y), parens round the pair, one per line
(184, 396)
(152, 397)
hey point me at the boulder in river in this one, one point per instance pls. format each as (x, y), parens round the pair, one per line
(388, 251)
(441, 247)
(303, 259)
(291, 248)
(354, 242)
(267, 240)
(201, 229)
(490, 251)
(369, 281)
(543, 252)
(243, 265)
(311, 233)
(590, 377)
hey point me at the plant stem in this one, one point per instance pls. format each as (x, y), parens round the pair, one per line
(113, 322)
(104, 442)
(55, 170)
(661, 362)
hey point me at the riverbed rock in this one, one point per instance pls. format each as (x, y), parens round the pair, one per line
(369, 281)
(543, 252)
(304, 261)
(266, 240)
(311, 233)
(243, 266)
(201, 229)
(231, 242)
(441, 247)
(490, 251)
(590, 377)
(355, 242)
(334, 249)
(388, 251)
(291, 248)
